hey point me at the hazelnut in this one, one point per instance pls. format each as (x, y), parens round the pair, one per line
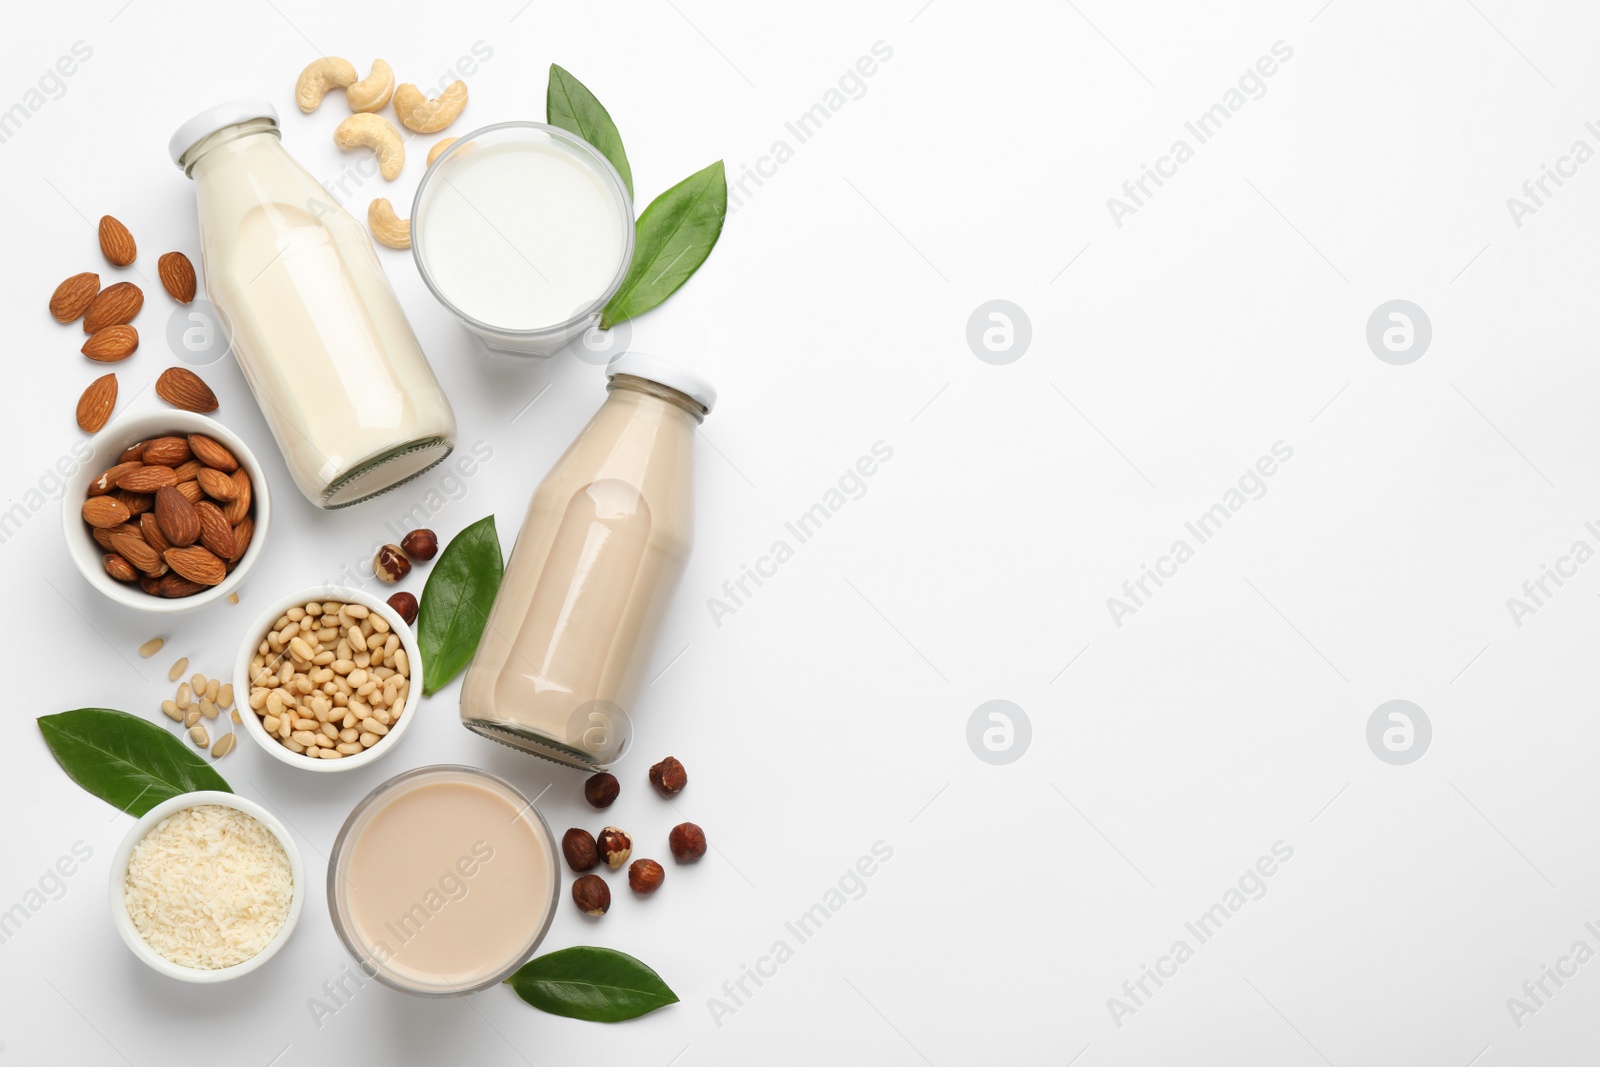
(645, 876)
(420, 545)
(615, 847)
(601, 790)
(405, 605)
(591, 894)
(669, 777)
(390, 564)
(687, 841)
(579, 849)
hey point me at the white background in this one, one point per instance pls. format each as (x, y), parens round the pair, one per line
(830, 711)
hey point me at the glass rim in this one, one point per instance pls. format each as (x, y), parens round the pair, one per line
(365, 960)
(601, 164)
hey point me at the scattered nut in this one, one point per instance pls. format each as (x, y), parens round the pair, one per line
(176, 670)
(321, 75)
(198, 735)
(184, 389)
(116, 242)
(669, 777)
(433, 153)
(115, 305)
(371, 93)
(388, 229)
(591, 894)
(615, 847)
(645, 876)
(687, 841)
(224, 745)
(420, 545)
(96, 404)
(405, 605)
(73, 296)
(601, 790)
(419, 113)
(578, 846)
(390, 564)
(377, 133)
(151, 647)
(112, 344)
(177, 276)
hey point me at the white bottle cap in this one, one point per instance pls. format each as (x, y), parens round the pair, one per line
(690, 383)
(217, 117)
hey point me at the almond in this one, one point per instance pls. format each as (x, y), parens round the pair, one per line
(215, 533)
(108, 479)
(150, 530)
(177, 276)
(146, 479)
(111, 344)
(182, 388)
(217, 486)
(119, 568)
(176, 517)
(239, 506)
(133, 453)
(191, 491)
(197, 564)
(153, 585)
(73, 296)
(136, 503)
(96, 403)
(211, 453)
(116, 242)
(103, 537)
(174, 586)
(187, 470)
(115, 306)
(242, 533)
(105, 511)
(167, 452)
(139, 553)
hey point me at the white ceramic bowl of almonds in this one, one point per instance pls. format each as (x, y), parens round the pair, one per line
(124, 920)
(108, 445)
(367, 720)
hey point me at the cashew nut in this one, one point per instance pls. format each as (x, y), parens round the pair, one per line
(387, 227)
(372, 92)
(320, 75)
(438, 150)
(429, 116)
(377, 133)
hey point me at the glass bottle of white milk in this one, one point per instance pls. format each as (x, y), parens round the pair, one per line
(316, 328)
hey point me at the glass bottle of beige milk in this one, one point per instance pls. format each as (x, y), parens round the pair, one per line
(316, 328)
(601, 549)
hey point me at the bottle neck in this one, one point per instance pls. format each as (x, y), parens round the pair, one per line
(227, 135)
(682, 401)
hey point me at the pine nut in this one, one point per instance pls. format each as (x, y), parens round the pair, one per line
(270, 724)
(176, 670)
(234, 715)
(214, 690)
(356, 611)
(368, 739)
(294, 746)
(208, 709)
(223, 746)
(171, 711)
(198, 683)
(225, 696)
(198, 735)
(330, 730)
(185, 695)
(191, 716)
(329, 753)
(151, 647)
(303, 737)
(348, 749)
(379, 623)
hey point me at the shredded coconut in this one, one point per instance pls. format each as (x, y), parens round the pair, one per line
(208, 887)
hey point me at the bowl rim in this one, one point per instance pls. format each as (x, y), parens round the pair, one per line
(251, 722)
(124, 855)
(125, 430)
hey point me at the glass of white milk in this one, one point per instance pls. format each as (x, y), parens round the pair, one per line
(524, 231)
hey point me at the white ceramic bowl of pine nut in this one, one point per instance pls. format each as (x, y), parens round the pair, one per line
(332, 663)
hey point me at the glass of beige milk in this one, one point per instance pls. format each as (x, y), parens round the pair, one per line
(443, 881)
(315, 326)
(523, 231)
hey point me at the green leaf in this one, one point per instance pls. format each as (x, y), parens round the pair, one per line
(597, 984)
(128, 762)
(569, 104)
(674, 236)
(455, 602)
